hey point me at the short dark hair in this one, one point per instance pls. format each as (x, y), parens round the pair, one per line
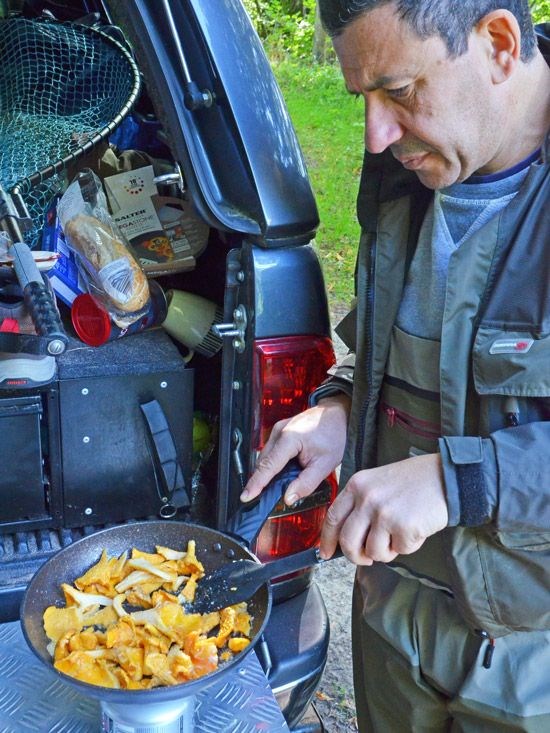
(451, 20)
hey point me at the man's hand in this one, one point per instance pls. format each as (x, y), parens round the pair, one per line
(317, 437)
(387, 511)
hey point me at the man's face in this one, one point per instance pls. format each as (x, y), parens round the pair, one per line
(436, 114)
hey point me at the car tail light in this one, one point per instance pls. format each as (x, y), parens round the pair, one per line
(286, 371)
(291, 529)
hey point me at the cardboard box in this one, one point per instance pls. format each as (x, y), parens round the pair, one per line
(163, 231)
(64, 276)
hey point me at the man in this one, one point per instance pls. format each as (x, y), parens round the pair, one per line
(443, 417)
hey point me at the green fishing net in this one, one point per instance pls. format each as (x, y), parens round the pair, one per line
(64, 88)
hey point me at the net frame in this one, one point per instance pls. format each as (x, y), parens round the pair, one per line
(49, 176)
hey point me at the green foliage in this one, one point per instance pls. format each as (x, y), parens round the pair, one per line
(540, 10)
(329, 123)
(286, 28)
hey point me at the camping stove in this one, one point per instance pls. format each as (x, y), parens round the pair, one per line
(35, 699)
(170, 717)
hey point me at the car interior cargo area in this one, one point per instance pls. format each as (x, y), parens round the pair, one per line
(103, 431)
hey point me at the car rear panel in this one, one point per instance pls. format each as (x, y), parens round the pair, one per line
(242, 149)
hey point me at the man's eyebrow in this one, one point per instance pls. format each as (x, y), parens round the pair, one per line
(382, 81)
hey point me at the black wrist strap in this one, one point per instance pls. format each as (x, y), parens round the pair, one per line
(474, 507)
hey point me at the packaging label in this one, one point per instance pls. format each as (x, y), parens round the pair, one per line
(117, 279)
(64, 276)
(130, 197)
(159, 228)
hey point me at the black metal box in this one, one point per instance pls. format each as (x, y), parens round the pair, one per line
(22, 483)
(113, 461)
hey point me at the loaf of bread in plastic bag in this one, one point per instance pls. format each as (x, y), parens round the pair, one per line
(118, 272)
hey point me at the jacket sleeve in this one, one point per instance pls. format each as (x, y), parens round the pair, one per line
(503, 479)
(340, 376)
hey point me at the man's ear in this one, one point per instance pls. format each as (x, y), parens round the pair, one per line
(500, 30)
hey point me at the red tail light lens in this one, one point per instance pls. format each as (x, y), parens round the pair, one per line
(286, 371)
(290, 530)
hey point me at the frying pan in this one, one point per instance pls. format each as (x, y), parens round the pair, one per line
(214, 549)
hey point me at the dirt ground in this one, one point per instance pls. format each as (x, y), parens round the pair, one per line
(334, 699)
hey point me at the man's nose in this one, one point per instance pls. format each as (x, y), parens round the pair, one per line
(382, 128)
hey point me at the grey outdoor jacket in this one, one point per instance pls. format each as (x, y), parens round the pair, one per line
(495, 385)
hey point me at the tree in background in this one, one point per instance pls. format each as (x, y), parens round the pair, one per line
(291, 29)
(321, 50)
(541, 11)
(286, 27)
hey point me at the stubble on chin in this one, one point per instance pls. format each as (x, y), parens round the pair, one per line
(440, 176)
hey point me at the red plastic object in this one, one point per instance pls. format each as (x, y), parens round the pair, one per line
(91, 323)
(9, 325)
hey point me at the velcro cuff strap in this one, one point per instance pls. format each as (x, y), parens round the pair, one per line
(474, 507)
(465, 450)
(466, 454)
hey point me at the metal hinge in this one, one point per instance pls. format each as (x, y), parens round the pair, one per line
(234, 330)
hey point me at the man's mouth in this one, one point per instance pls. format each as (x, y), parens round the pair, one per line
(413, 162)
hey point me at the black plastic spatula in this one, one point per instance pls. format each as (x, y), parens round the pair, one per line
(238, 581)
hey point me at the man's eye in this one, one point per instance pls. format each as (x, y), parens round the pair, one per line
(400, 91)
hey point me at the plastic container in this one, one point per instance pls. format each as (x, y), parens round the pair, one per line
(94, 326)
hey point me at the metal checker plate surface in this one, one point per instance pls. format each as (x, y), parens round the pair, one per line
(33, 700)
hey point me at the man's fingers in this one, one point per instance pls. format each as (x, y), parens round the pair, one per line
(337, 514)
(274, 435)
(266, 469)
(305, 484)
(404, 545)
(377, 547)
(273, 458)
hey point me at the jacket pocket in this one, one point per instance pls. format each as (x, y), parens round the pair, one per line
(528, 541)
(511, 372)
(511, 363)
(516, 569)
(410, 423)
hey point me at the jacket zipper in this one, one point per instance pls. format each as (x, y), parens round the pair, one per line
(369, 315)
(511, 409)
(490, 649)
(415, 425)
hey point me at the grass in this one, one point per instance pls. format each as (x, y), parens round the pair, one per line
(329, 124)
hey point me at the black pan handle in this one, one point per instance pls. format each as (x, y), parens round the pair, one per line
(296, 561)
(248, 520)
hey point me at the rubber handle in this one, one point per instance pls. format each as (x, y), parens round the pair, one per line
(248, 520)
(38, 299)
(165, 457)
(42, 309)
